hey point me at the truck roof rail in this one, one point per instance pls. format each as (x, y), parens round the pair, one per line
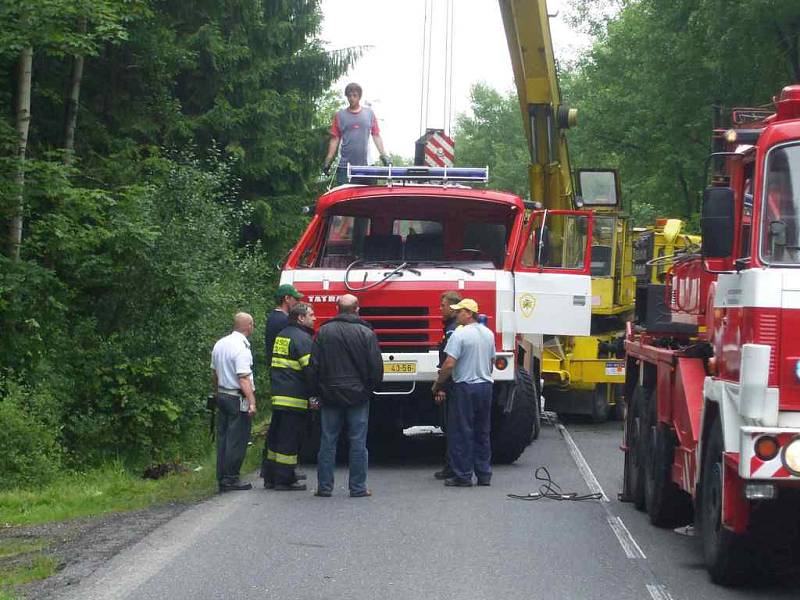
(418, 174)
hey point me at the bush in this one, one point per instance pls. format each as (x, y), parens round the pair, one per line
(29, 452)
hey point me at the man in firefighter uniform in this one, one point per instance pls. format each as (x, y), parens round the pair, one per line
(290, 392)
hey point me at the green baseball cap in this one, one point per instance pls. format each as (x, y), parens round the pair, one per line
(287, 289)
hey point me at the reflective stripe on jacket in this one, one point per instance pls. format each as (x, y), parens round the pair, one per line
(290, 356)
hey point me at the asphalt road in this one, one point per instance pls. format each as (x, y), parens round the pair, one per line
(416, 538)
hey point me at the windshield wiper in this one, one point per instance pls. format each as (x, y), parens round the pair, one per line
(389, 264)
(449, 266)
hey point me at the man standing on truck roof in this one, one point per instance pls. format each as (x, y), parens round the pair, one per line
(449, 324)
(290, 394)
(346, 368)
(470, 360)
(286, 296)
(232, 362)
(352, 127)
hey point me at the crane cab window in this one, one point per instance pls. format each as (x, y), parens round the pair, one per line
(602, 245)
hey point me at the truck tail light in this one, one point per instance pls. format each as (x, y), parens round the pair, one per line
(766, 447)
(501, 363)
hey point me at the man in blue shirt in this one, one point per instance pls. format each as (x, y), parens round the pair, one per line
(470, 360)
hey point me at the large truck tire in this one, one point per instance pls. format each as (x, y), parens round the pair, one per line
(512, 431)
(726, 553)
(537, 405)
(667, 505)
(600, 405)
(617, 412)
(634, 457)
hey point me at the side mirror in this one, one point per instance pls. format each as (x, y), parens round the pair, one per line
(717, 222)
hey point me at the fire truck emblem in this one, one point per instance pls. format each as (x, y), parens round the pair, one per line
(527, 302)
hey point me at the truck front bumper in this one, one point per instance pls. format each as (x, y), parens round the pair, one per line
(424, 366)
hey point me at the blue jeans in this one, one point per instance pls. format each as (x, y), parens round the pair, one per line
(332, 419)
(469, 419)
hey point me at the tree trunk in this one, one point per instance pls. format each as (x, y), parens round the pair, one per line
(73, 95)
(23, 120)
(687, 195)
(790, 41)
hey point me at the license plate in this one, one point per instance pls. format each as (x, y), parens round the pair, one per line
(399, 367)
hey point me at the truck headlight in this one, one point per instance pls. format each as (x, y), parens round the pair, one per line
(791, 456)
(797, 370)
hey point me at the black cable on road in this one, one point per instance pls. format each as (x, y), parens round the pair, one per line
(550, 490)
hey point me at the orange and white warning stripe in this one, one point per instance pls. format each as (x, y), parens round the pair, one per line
(439, 150)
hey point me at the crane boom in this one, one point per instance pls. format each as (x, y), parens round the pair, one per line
(527, 28)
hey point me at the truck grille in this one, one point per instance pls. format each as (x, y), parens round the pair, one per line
(402, 328)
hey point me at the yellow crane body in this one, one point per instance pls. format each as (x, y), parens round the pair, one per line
(581, 374)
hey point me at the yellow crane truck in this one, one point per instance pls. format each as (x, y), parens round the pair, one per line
(582, 374)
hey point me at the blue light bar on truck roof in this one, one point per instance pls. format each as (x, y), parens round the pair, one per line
(419, 173)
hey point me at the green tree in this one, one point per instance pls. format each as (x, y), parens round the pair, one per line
(493, 136)
(170, 147)
(55, 27)
(646, 89)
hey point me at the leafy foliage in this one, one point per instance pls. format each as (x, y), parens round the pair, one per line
(646, 89)
(492, 135)
(198, 140)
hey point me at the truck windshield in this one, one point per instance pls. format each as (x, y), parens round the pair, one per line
(780, 231)
(471, 236)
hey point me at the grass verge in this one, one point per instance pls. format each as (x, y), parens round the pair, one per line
(110, 489)
(22, 561)
(38, 567)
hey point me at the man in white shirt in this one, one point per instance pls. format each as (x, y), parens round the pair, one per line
(232, 362)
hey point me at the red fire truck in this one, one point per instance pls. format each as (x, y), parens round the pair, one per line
(713, 372)
(402, 237)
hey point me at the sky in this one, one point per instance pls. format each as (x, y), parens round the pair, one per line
(391, 70)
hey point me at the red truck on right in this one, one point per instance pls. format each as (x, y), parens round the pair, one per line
(712, 428)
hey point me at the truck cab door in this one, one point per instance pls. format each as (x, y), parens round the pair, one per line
(552, 281)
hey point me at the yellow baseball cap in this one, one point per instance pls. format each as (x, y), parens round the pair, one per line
(468, 304)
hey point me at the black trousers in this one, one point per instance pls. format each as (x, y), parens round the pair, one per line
(445, 412)
(233, 434)
(283, 443)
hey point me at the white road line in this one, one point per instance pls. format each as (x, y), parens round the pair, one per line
(629, 545)
(626, 540)
(581, 463)
(658, 592)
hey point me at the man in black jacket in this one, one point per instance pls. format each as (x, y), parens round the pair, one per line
(346, 367)
(291, 355)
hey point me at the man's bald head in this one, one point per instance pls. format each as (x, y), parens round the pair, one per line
(243, 323)
(348, 304)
